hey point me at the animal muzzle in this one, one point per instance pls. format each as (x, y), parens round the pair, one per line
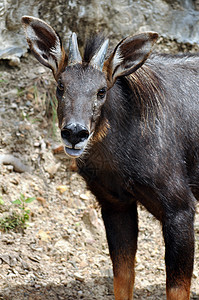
(75, 137)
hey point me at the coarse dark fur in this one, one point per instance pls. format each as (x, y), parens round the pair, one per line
(143, 146)
(92, 45)
(151, 155)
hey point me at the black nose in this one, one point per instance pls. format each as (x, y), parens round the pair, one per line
(74, 133)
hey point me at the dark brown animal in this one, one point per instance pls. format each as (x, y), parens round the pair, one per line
(132, 122)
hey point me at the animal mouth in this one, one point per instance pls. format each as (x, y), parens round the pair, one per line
(72, 152)
(76, 150)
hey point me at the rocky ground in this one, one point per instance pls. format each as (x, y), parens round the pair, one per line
(62, 254)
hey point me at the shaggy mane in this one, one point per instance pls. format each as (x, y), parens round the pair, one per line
(92, 45)
(148, 90)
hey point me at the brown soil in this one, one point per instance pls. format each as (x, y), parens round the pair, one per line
(63, 252)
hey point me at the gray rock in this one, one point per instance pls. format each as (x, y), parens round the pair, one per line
(173, 19)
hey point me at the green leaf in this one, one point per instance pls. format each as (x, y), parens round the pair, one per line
(22, 197)
(30, 199)
(26, 217)
(18, 201)
(1, 201)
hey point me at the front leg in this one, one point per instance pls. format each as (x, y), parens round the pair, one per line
(122, 230)
(178, 233)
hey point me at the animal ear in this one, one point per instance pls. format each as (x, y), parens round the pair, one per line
(44, 43)
(129, 55)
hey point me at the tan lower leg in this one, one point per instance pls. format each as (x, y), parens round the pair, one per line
(123, 283)
(181, 292)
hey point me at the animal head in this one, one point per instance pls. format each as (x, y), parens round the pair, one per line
(83, 83)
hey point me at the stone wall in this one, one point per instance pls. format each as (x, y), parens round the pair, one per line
(173, 19)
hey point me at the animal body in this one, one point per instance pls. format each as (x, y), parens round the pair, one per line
(132, 122)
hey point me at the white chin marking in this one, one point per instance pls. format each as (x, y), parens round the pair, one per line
(74, 153)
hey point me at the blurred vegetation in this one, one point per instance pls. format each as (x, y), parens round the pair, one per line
(20, 215)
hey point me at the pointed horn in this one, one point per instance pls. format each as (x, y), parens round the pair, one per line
(74, 56)
(98, 59)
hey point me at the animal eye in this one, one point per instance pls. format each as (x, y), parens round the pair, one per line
(60, 85)
(101, 93)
